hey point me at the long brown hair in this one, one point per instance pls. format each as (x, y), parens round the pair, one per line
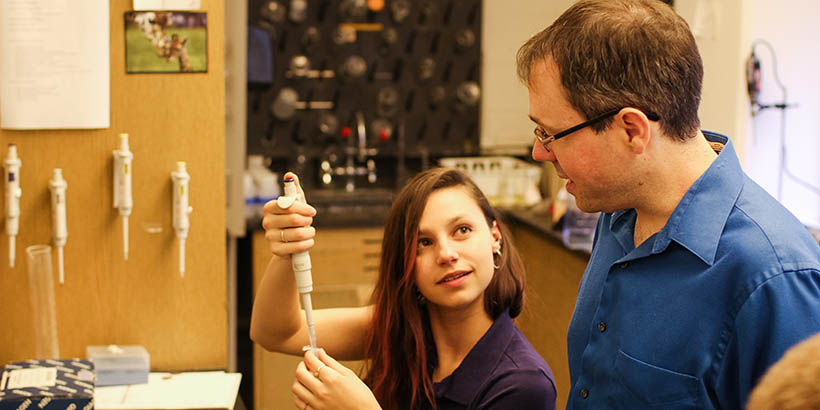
(623, 53)
(399, 339)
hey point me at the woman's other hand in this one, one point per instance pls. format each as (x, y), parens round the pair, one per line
(288, 229)
(323, 383)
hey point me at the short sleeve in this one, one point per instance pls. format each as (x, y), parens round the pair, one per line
(521, 389)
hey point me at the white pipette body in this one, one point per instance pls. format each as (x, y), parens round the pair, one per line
(59, 232)
(181, 180)
(123, 199)
(12, 166)
(301, 265)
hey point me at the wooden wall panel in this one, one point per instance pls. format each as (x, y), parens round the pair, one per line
(182, 322)
(553, 276)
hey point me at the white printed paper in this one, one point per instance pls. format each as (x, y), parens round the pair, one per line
(33, 377)
(166, 4)
(54, 65)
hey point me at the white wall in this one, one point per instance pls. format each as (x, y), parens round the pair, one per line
(790, 26)
(504, 104)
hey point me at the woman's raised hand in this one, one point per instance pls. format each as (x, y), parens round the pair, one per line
(288, 229)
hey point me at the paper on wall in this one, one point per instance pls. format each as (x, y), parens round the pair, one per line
(166, 4)
(54, 64)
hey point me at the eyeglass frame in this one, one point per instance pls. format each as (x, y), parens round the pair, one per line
(542, 137)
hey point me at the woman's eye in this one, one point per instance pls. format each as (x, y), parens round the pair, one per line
(424, 242)
(463, 230)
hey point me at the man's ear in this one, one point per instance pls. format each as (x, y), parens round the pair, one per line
(637, 129)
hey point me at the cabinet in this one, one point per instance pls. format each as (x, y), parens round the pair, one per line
(345, 266)
(553, 275)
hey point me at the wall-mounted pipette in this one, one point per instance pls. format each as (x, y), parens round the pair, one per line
(181, 179)
(122, 187)
(12, 166)
(59, 233)
(301, 265)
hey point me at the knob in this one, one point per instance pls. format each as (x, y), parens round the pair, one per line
(328, 124)
(383, 128)
(284, 106)
(465, 39)
(311, 38)
(387, 99)
(353, 9)
(437, 96)
(467, 95)
(273, 12)
(299, 65)
(427, 67)
(354, 67)
(298, 11)
(400, 9)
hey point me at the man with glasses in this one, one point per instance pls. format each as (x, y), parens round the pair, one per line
(698, 279)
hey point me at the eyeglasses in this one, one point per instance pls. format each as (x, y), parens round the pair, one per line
(545, 138)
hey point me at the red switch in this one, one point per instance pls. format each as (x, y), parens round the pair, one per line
(346, 131)
(384, 134)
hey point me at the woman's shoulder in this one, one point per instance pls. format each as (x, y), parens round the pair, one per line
(528, 387)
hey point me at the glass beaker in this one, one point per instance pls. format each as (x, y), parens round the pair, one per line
(43, 304)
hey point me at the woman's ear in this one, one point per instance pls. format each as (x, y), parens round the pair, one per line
(496, 232)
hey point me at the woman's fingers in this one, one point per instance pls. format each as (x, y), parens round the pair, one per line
(298, 184)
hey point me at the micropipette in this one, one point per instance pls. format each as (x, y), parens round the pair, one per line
(12, 166)
(59, 233)
(122, 187)
(301, 265)
(181, 178)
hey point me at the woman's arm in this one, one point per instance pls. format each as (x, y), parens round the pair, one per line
(277, 322)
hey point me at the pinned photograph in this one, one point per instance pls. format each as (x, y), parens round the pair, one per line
(166, 42)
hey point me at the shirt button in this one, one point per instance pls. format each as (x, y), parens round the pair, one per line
(602, 326)
(584, 393)
(624, 265)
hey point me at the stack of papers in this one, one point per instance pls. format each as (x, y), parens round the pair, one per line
(191, 390)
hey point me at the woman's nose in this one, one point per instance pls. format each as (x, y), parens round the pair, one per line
(446, 253)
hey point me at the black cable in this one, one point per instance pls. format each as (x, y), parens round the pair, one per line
(782, 107)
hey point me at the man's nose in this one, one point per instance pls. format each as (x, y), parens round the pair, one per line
(540, 153)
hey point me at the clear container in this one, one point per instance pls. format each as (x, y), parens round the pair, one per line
(43, 304)
(579, 226)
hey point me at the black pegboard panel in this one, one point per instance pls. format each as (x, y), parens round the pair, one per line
(409, 68)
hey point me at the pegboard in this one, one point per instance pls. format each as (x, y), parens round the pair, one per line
(409, 71)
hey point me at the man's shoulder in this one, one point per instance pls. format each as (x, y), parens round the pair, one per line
(762, 233)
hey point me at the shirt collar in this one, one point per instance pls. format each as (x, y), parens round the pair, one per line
(698, 220)
(461, 386)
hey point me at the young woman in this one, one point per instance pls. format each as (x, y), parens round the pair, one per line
(439, 333)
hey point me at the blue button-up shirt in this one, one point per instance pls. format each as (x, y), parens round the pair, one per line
(692, 317)
(502, 371)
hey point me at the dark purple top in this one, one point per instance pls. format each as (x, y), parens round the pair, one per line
(502, 371)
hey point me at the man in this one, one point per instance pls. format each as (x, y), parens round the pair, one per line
(698, 280)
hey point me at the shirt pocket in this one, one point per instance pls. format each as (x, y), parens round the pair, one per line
(641, 385)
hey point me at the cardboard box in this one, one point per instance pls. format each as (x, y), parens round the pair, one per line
(47, 385)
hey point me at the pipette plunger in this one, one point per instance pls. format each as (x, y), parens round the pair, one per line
(12, 166)
(301, 265)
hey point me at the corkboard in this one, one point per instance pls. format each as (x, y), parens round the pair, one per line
(182, 322)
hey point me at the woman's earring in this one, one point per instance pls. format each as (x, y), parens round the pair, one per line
(497, 253)
(419, 297)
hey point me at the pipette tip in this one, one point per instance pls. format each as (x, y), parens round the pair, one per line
(12, 251)
(61, 264)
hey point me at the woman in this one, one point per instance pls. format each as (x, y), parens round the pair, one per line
(439, 333)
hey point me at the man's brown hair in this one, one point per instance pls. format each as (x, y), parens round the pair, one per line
(623, 53)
